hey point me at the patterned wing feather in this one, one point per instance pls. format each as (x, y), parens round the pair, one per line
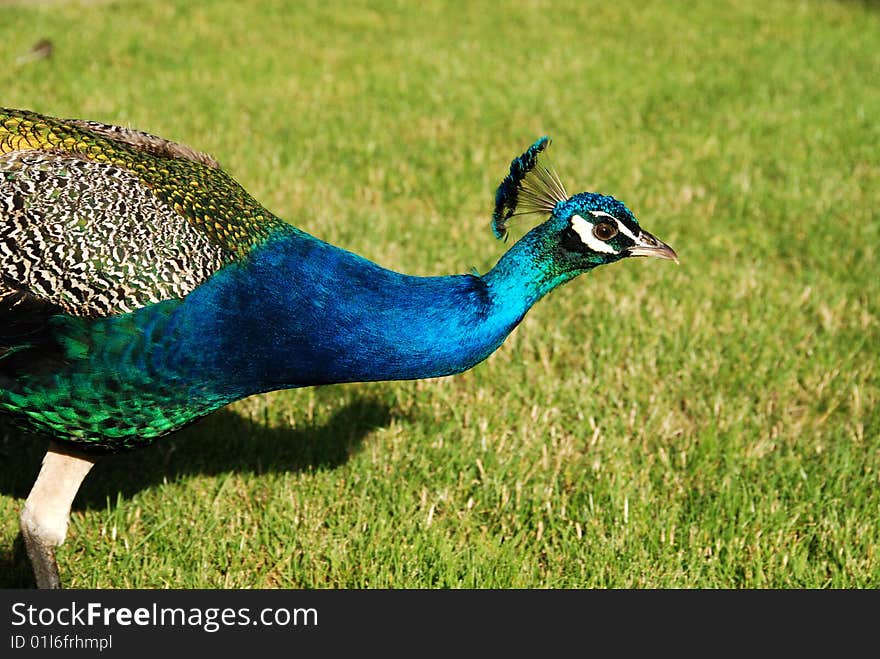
(98, 219)
(92, 238)
(148, 142)
(187, 181)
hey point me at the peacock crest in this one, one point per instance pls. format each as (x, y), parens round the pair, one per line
(532, 186)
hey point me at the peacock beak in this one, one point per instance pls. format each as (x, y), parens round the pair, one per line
(648, 245)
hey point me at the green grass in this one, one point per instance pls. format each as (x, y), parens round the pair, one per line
(711, 425)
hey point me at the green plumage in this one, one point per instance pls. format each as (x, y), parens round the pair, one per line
(102, 388)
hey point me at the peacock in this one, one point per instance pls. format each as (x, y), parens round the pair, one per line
(141, 288)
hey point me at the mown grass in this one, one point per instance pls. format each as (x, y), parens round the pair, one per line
(712, 425)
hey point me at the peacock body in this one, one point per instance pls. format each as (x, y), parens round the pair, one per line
(141, 288)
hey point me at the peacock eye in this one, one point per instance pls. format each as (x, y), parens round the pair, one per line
(604, 231)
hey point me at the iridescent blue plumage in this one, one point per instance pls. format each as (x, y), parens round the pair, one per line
(297, 312)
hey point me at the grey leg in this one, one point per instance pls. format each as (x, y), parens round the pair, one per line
(46, 511)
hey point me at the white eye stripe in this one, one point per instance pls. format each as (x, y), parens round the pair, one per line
(585, 231)
(620, 225)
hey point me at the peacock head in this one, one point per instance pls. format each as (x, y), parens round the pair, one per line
(589, 229)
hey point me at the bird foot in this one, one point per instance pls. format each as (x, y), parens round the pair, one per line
(40, 553)
(46, 512)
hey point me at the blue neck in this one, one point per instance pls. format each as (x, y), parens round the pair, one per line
(527, 272)
(300, 312)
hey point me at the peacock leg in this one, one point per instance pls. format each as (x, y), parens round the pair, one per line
(46, 511)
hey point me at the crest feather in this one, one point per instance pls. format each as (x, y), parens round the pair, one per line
(531, 187)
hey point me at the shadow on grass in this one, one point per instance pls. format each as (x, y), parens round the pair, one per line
(222, 442)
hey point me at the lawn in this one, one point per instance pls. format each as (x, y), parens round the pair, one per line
(713, 425)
